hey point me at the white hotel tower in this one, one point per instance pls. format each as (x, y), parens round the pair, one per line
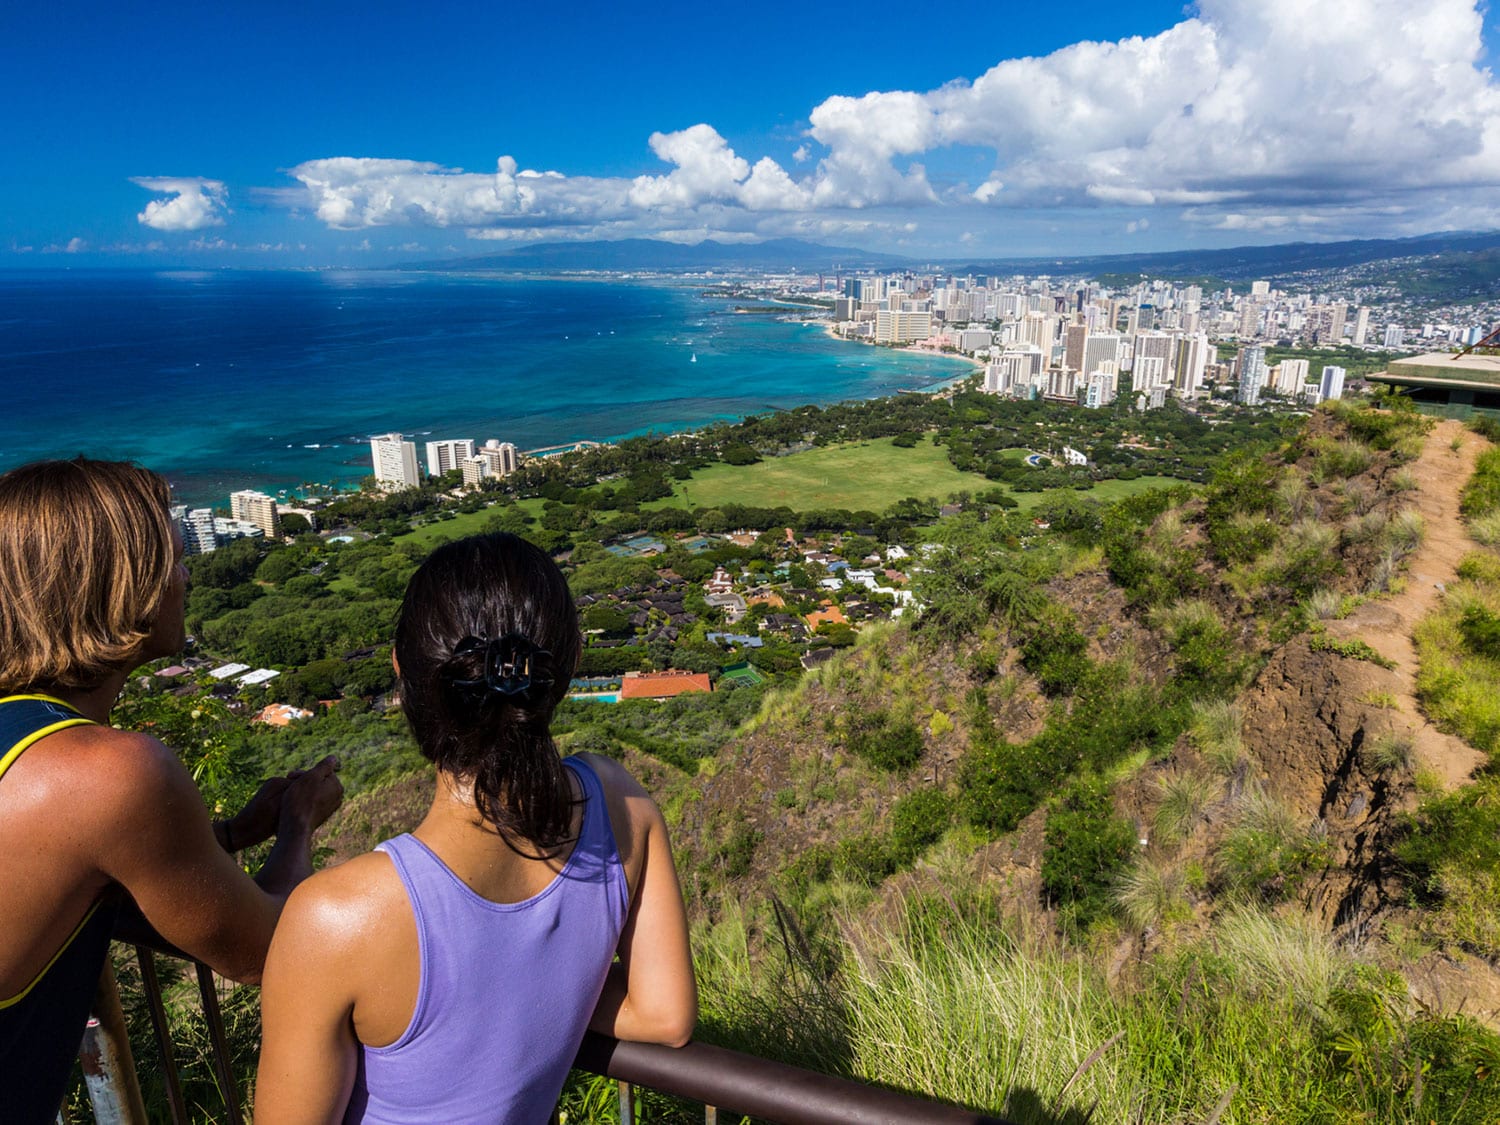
(395, 461)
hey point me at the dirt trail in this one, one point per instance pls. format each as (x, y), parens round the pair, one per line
(1387, 624)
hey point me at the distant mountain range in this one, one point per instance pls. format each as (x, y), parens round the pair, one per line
(1238, 263)
(1244, 263)
(651, 254)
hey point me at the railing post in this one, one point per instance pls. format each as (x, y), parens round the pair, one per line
(151, 985)
(627, 1104)
(108, 1069)
(220, 1042)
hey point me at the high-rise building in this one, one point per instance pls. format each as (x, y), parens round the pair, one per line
(1074, 342)
(1252, 374)
(1361, 324)
(445, 456)
(196, 526)
(474, 470)
(1252, 313)
(257, 508)
(1148, 371)
(1332, 384)
(1099, 350)
(1013, 370)
(902, 327)
(1158, 344)
(395, 461)
(500, 458)
(1291, 374)
(1103, 387)
(1395, 335)
(1191, 356)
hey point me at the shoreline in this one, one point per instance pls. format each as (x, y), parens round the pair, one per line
(975, 365)
(942, 386)
(275, 380)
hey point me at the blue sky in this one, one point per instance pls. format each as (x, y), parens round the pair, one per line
(270, 133)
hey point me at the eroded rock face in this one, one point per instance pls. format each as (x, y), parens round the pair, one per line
(1309, 730)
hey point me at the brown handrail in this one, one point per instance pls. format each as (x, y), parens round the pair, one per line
(758, 1087)
(715, 1076)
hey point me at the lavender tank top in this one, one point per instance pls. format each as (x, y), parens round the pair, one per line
(506, 989)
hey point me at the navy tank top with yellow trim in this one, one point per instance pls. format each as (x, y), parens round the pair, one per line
(42, 1025)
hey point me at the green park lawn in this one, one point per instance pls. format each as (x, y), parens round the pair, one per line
(862, 475)
(462, 523)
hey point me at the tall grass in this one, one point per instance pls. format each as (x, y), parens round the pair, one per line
(1290, 956)
(1267, 1020)
(1152, 892)
(1215, 729)
(1184, 795)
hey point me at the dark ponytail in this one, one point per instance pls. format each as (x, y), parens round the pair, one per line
(487, 641)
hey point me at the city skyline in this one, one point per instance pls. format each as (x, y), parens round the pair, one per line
(365, 136)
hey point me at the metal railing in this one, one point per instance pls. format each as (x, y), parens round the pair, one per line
(721, 1079)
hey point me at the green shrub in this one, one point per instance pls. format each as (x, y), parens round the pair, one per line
(1481, 630)
(1481, 495)
(1243, 537)
(1266, 853)
(918, 820)
(1055, 652)
(1460, 828)
(1480, 566)
(1343, 458)
(1353, 648)
(1485, 426)
(884, 742)
(1486, 529)
(736, 852)
(867, 858)
(1087, 848)
(1001, 782)
(1206, 662)
(1151, 893)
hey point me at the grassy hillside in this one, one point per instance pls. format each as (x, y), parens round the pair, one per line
(1121, 811)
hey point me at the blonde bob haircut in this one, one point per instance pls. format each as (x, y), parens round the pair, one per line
(86, 559)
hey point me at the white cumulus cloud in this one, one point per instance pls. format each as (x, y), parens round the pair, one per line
(194, 202)
(1248, 115)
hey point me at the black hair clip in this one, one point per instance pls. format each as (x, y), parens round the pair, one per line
(510, 664)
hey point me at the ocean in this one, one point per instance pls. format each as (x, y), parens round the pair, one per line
(226, 380)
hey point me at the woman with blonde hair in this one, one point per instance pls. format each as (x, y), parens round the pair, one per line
(450, 974)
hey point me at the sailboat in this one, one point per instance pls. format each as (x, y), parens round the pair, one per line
(694, 359)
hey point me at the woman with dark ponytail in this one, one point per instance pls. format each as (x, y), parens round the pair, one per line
(450, 974)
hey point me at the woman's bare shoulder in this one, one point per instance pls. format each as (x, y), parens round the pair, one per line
(615, 778)
(346, 907)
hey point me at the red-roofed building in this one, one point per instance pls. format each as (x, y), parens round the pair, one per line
(280, 715)
(662, 685)
(831, 615)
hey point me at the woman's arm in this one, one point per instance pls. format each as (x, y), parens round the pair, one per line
(650, 995)
(308, 1047)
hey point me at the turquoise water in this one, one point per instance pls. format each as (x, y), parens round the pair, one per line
(227, 380)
